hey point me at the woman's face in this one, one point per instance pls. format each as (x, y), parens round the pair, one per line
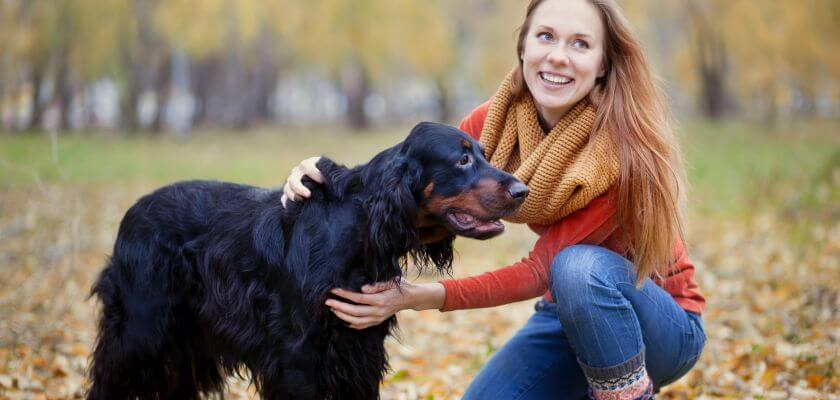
(563, 54)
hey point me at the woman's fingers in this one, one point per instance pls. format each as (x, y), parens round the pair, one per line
(287, 195)
(352, 296)
(378, 287)
(360, 298)
(294, 189)
(369, 308)
(353, 309)
(309, 168)
(296, 186)
(355, 322)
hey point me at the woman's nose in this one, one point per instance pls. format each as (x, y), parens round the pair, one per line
(558, 55)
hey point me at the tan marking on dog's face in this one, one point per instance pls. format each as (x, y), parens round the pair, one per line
(466, 143)
(488, 198)
(425, 219)
(427, 192)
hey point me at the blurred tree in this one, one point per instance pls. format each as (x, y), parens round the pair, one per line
(351, 40)
(772, 57)
(144, 55)
(491, 27)
(31, 26)
(63, 43)
(234, 48)
(433, 46)
(709, 52)
(363, 42)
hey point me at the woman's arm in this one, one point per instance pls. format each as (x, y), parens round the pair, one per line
(520, 281)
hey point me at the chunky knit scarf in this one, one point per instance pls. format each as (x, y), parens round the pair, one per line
(564, 169)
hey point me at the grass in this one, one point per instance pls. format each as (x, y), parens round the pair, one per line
(261, 157)
(732, 167)
(735, 167)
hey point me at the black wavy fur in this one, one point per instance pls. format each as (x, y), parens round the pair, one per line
(208, 278)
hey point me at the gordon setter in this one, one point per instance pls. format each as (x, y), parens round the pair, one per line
(208, 278)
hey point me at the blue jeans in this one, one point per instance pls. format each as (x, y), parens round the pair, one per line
(600, 326)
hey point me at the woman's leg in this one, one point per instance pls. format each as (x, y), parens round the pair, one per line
(626, 339)
(537, 363)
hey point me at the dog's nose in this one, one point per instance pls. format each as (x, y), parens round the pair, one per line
(518, 191)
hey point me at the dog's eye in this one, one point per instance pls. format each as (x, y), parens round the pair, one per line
(465, 160)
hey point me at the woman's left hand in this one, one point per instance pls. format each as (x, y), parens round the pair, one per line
(379, 301)
(376, 303)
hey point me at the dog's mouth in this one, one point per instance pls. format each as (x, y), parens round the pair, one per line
(466, 224)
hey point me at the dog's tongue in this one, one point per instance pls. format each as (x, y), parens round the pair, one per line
(487, 226)
(476, 224)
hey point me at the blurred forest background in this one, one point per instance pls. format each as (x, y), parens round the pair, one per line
(102, 101)
(153, 65)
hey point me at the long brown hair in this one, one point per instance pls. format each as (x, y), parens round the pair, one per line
(631, 108)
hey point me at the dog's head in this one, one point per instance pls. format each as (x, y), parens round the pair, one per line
(461, 192)
(434, 185)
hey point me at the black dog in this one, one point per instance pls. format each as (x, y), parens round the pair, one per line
(207, 278)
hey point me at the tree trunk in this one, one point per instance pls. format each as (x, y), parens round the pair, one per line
(2, 100)
(356, 88)
(130, 101)
(64, 93)
(162, 92)
(712, 60)
(36, 109)
(445, 111)
(202, 75)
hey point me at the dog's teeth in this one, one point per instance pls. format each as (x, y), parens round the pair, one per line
(464, 218)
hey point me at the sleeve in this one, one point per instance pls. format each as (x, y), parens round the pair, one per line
(529, 277)
(680, 282)
(474, 121)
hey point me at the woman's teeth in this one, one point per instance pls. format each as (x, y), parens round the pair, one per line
(555, 79)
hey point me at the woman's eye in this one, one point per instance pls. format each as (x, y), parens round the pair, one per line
(465, 160)
(545, 36)
(581, 44)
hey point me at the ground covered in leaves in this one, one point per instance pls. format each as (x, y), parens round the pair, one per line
(771, 275)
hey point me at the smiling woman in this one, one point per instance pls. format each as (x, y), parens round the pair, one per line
(581, 123)
(562, 54)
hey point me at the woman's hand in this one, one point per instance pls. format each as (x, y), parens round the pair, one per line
(294, 189)
(380, 301)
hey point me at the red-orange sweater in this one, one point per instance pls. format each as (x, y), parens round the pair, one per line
(529, 277)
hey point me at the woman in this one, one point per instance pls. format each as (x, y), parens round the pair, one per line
(581, 122)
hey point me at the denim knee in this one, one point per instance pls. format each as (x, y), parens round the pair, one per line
(577, 269)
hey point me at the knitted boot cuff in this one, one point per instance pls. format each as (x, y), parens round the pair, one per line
(626, 381)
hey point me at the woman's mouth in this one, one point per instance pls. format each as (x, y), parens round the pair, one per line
(554, 79)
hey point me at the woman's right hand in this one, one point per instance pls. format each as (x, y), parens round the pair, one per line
(293, 189)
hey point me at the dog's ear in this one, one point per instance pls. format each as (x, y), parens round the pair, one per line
(392, 210)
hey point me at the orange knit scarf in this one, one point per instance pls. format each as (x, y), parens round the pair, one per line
(564, 169)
